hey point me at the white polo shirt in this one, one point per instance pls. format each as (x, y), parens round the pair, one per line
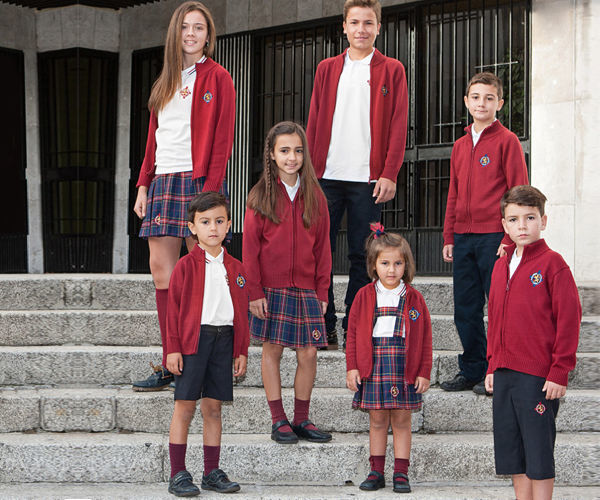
(384, 327)
(217, 306)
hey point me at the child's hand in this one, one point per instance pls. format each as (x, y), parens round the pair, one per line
(352, 380)
(141, 202)
(258, 308)
(175, 363)
(489, 383)
(324, 307)
(421, 385)
(501, 252)
(554, 390)
(239, 365)
(447, 253)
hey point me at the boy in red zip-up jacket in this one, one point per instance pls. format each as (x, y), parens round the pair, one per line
(485, 163)
(534, 316)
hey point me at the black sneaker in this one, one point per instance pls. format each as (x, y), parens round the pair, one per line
(159, 380)
(181, 485)
(218, 481)
(480, 389)
(374, 482)
(458, 383)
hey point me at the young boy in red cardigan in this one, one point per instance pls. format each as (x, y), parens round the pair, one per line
(207, 327)
(534, 315)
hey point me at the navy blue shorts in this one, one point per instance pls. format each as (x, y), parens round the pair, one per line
(524, 425)
(209, 372)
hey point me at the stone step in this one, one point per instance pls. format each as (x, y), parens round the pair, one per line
(136, 292)
(140, 328)
(102, 410)
(282, 491)
(117, 365)
(109, 457)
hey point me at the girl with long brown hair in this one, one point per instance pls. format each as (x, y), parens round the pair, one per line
(287, 257)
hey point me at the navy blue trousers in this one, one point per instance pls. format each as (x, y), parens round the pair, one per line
(355, 198)
(474, 259)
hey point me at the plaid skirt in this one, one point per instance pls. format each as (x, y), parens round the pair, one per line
(294, 319)
(386, 388)
(168, 198)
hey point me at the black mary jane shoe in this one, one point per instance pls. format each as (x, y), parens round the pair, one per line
(401, 484)
(374, 482)
(181, 485)
(312, 435)
(218, 481)
(282, 437)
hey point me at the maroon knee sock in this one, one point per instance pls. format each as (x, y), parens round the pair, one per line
(301, 412)
(377, 463)
(177, 456)
(162, 298)
(401, 465)
(277, 414)
(211, 458)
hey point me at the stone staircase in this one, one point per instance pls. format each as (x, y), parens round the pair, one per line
(70, 425)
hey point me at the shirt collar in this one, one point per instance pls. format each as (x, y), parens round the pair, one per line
(399, 290)
(192, 68)
(218, 258)
(365, 60)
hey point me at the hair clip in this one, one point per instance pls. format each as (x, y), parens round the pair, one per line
(378, 229)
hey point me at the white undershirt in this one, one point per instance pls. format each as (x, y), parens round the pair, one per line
(514, 263)
(477, 135)
(350, 145)
(292, 190)
(173, 135)
(384, 327)
(217, 306)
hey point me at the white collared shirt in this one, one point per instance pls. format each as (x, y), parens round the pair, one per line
(477, 135)
(173, 135)
(349, 152)
(384, 327)
(514, 263)
(217, 306)
(292, 190)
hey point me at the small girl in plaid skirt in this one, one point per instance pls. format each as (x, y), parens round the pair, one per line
(388, 353)
(287, 258)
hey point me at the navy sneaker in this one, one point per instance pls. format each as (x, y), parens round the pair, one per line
(159, 380)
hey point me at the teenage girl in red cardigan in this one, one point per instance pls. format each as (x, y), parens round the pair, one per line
(287, 258)
(389, 351)
(190, 137)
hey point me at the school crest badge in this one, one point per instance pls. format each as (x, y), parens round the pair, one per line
(240, 280)
(394, 391)
(316, 334)
(540, 408)
(384, 91)
(413, 314)
(536, 278)
(484, 161)
(207, 97)
(185, 92)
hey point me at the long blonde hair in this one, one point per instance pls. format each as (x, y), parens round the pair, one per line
(169, 79)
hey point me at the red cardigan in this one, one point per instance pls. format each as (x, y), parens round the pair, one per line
(534, 318)
(479, 176)
(287, 254)
(359, 342)
(389, 112)
(212, 124)
(186, 296)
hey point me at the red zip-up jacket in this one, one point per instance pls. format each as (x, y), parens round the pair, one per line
(534, 317)
(479, 176)
(287, 254)
(359, 342)
(186, 296)
(389, 112)
(212, 123)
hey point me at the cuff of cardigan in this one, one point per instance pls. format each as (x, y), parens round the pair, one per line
(255, 293)
(323, 295)
(173, 345)
(449, 239)
(558, 376)
(211, 185)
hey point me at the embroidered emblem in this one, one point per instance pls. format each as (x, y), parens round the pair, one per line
(413, 314)
(384, 91)
(241, 281)
(207, 97)
(536, 278)
(157, 219)
(484, 161)
(394, 391)
(316, 334)
(185, 92)
(540, 408)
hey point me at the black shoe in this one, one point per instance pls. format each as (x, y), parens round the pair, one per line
(218, 481)
(312, 435)
(159, 380)
(401, 486)
(479, 388)
(332, 342)
(181, 485)
(458, 383)
(283, 437)
(374, 482)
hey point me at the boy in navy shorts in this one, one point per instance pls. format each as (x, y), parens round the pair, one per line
(207, 327)
(534, 315)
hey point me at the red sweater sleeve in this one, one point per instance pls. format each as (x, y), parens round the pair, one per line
(426, 351)
(253, 227)
(322, 253)
(224, 132)
(145, 178)
(450, 216)
(315, 103)
(173, 309)
(353, 322)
